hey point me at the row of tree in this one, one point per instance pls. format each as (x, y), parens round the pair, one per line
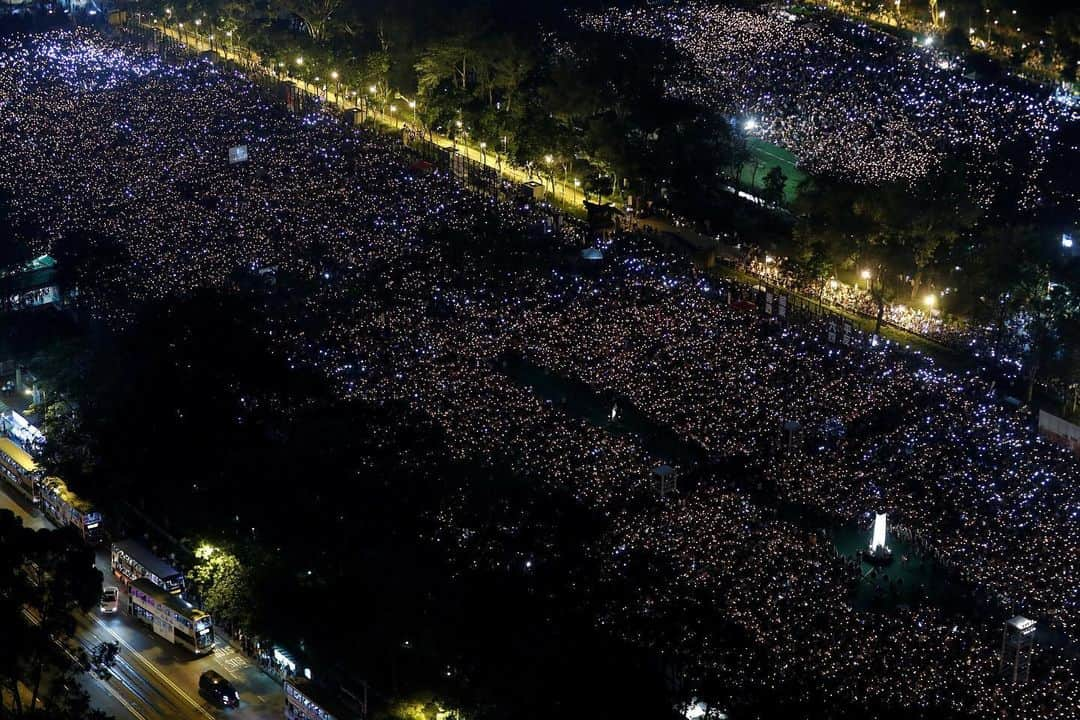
(995, 268)
(46, 577)
(530, 84)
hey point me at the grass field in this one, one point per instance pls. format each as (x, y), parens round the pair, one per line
(768, 156)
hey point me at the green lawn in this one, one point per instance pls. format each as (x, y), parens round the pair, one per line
(769, 156)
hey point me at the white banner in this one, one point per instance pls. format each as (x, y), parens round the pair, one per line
(1060, 432)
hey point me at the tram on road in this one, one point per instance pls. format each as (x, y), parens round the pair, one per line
(64, 507)
(173, 618)
(131, 561)
(19, 469)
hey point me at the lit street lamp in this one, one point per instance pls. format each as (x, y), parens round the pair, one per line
(866, 276)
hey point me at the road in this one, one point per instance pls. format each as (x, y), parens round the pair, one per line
(153, 679)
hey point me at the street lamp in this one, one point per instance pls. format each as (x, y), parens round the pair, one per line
(930, 300)
(483, 153)
(866, 274)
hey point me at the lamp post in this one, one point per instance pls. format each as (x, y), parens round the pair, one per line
(865, 274)
(415, 114)
(337, 85)
(483, 153)
(548, 159)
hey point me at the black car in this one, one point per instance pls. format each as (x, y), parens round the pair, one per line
(218, 689)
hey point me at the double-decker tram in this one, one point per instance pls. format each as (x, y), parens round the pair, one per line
(64, 507)
(172, 618)
(131, 561)
(19, 469)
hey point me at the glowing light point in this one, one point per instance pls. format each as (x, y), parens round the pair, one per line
(878, 540)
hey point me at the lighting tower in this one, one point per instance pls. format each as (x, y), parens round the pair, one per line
(667, 480)
(1017, 642)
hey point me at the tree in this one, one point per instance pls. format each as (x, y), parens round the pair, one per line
(774, 183)
(51, 573)
(224, 583)
(319, 18)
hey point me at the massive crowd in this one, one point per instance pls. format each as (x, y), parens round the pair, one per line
(400, 286)
(853, 102)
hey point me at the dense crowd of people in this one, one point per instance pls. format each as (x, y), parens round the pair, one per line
(853, 102)
(400, 286)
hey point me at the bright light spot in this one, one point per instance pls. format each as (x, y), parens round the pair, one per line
(878, 540)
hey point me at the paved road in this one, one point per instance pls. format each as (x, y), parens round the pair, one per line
(153, 679)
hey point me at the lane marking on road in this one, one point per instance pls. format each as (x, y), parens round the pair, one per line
(155, 669)
(122, 700)
(105, 684)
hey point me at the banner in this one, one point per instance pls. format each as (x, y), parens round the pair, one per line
(1060, 432)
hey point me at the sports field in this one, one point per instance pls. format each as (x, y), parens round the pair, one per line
(767, 156)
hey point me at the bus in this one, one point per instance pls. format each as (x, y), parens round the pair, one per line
(173, 618)
(19, 468)
(64, 507)
(131, 561)
(304, 700)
